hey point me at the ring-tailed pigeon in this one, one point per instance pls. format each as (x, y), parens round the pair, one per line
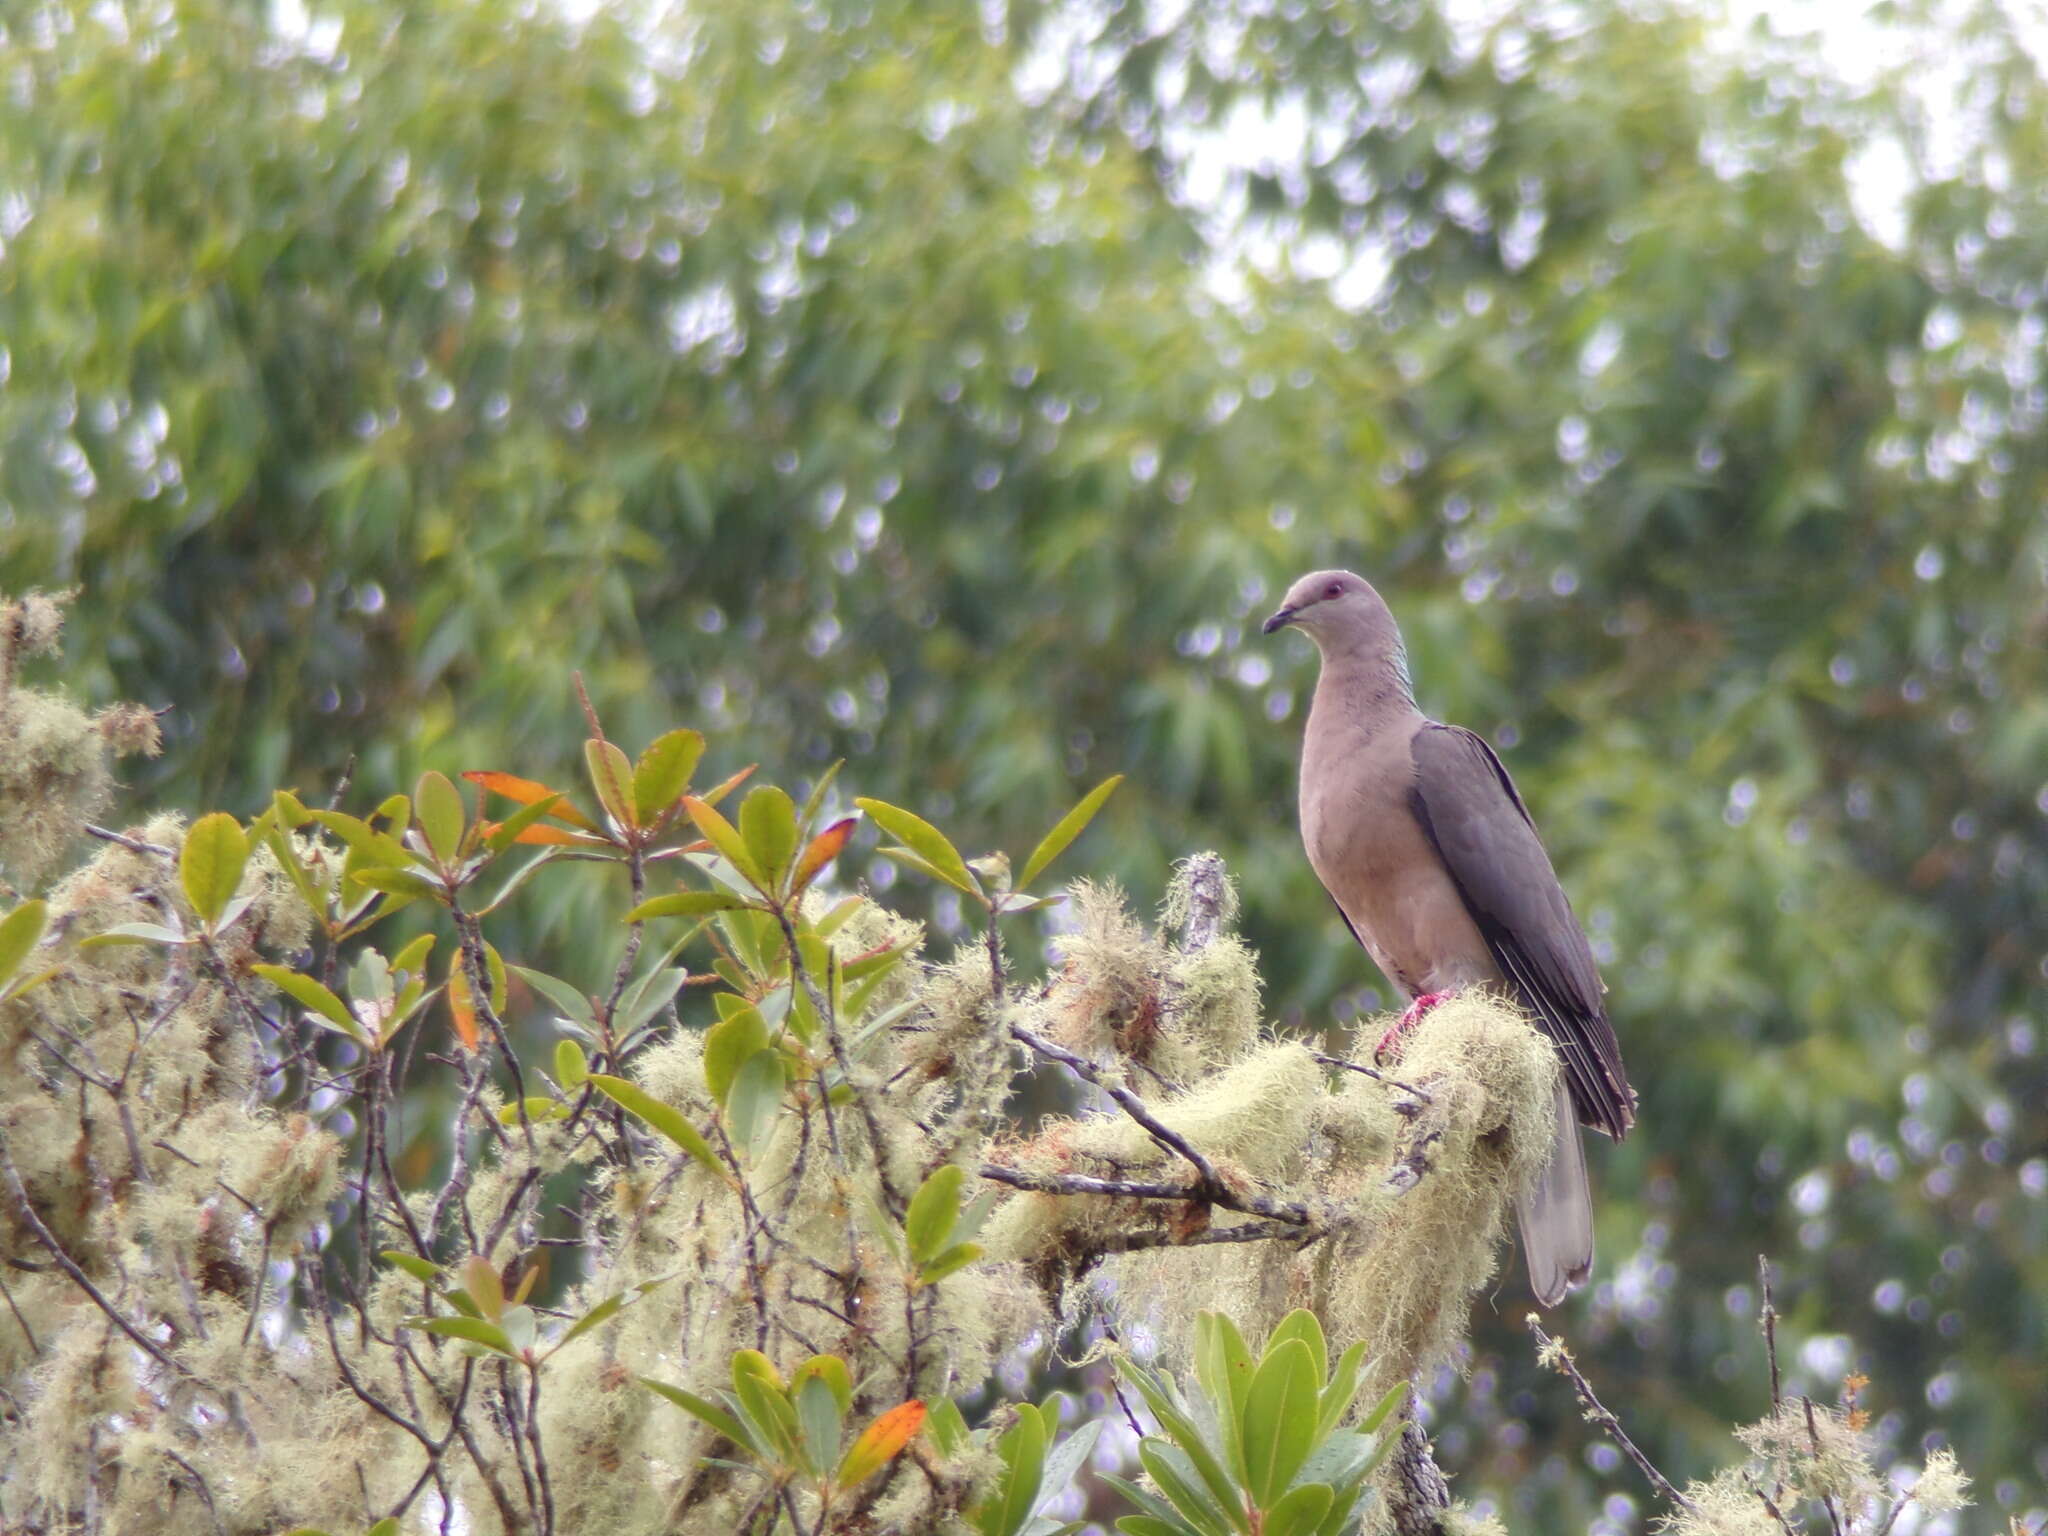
(1417, 832)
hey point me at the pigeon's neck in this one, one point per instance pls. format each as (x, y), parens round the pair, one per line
(1362, 693)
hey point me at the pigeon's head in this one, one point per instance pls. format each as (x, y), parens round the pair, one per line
(1339, 611)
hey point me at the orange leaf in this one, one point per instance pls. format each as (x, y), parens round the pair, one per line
(525, 792)
(556, 837)
(462, 1007)
(823, 849)
(879, 1442)
(726, 786)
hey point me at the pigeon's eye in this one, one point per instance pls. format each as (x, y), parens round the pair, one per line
(1336, 590)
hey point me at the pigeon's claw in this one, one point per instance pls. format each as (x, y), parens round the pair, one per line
(1391, 1040)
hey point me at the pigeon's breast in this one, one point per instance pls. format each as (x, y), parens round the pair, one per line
(1366, 846)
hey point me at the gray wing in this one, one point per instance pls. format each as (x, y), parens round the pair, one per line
(1468, 806)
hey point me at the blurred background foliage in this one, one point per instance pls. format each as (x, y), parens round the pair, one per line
(953, 389)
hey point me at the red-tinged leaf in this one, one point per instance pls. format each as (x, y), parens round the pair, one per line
(611, 775)
(526, 791)
(462, 1006)
(486, 1289)
(725, 787)
(500, 835)
(880, 1441)
(823, 849)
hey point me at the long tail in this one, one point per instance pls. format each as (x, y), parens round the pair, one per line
(1556, 1213)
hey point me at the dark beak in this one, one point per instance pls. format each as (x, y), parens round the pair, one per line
(1279, 620)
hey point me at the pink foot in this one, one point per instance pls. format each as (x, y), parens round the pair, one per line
(1391, 1040)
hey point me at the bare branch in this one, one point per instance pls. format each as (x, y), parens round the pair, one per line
(1552, 1352)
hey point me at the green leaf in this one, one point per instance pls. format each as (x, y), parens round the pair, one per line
(569, 1003)
(20, 931)
(1299, 1511)
(946, 1427)
(611, 775)
(928, 1223)
(725, 837)
(474, 1329)
(210, 864)
(315, 998)
(728, 1043)
(931, 847)
(1301, 1324)
(1157, 1510)
(571, 1065)
(437, 805)
(818, 1415)
(665, 1118)
(420, 1269)
(1021, 1449)
(705, 1412)
(1339, 1460)
(1065, 830)
(1224, 1367)
(648, 996)
(1174, 1471)
(1186, 1434)
(1066, 1458)
(756, 1098)
(768, 827)
(397, 882)
(506, 833)
(1150, 1525)
(364, 841)
(413, 958)
(831, 1370)
(1280, 1419)
(1395, 1396)
(1343, 1388)
(950, 1261)
(388, 1526)
(685, 904)
(663, 773)
(768, 1412)
(134, 933)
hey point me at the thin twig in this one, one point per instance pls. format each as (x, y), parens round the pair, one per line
(1375, 1074)
(1552, 1352)
(132, 844)
(1209, 1185)
(1769, 1321)
(1827, 1500)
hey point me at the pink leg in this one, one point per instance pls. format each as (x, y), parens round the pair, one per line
(1408, 1020)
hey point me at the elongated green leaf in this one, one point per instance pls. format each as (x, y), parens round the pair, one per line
(364, 841)
(473, 1329)
(949, 1261)
(210, 864)
(134, 933)
(1300, 1511)
(1280, 1419)
(755, 1101)
(928, 1223)
(571, 1065)
(1067, 1457)
(569, 1003)
(486, 1289)
(1395, 1396)
(1174, 1471)
(1301, 1324)
(768, 1413)
(20, 931)
(831, 1370)
(1343, 1388)
(1021, 1449)
(420, 1269)
(665, 1118)
(1152, 1525)
(648, 996)
(706, 1412)
(314, 997)
(947, 1428)
(438, 806)
(1157, 1510)
(1065, 830)
(663, 773)
(725, 837)
(507, 832)
(768, 827)
(818, 1416)
(397, 882)
(728, 1043)
(685, 904)
(1224, 1367)
(1200, 1451)
(931, 846)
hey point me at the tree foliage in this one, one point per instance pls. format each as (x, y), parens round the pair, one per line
(948, 388)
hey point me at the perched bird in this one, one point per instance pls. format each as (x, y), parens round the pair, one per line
(1417, 832)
